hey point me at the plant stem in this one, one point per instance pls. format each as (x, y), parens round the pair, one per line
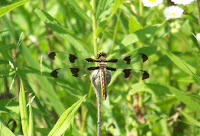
(141, 11)
(97, 90)
(94, 26)
(115, 31)
(99, 113)
(198, 8)
(170, 68)
(141, 63)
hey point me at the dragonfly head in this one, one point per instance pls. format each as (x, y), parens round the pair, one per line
(100, 55)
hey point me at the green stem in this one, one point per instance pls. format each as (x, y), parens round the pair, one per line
(115, 31)
(94, 26)
(141, 11)
(198, 8)
(170, 65)
(141, 63)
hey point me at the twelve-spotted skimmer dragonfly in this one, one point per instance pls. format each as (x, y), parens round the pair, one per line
(102, 67)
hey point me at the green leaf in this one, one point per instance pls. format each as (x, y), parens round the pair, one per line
(4, 131)
(79, 11)
(7, 9)
(133, 25)
(43, 82)
(7, 47)
(66, 119)
(154, 89)
(62, 31)
(101, 20)
(181, 64)
(104, 9)
(30, 131)
(139, 35)
(23, 110)
(186, 99)
(162, 90)
(190, 119)
(7, 106)
(88, 5)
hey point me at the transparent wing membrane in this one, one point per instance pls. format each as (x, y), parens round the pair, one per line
(74, 66)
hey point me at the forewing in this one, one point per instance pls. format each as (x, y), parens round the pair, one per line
(69, 67)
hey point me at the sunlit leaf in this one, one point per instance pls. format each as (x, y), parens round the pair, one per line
(30, 131)
(23, 110)
(66, 119)
(7, 9)
(139, 35)
(79, 11)
(5, 131)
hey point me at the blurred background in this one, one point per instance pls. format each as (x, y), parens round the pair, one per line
(165, 104)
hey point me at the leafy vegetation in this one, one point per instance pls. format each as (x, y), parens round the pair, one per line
(33, 103)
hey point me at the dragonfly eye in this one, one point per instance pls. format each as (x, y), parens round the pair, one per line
(101, 54)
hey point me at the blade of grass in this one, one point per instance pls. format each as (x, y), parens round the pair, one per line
(8, 8)
(55, 26)
(43, 82)
(7, 47)
(79, 11)
(190, 119)
(4, 131)
(163, 90)
(30, 131)
(179, 62)
(66, 119)
(23, 110)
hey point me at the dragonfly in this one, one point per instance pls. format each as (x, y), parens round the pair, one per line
(102, 70)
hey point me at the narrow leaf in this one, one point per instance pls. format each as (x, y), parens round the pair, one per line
(79, 11)
(186, 99)
(4, 131)
(30, 132)
(7, 47)
(55, 26)
(23, 110)
(190, 119)
(162, 90)
(7, 9)
(44, 83)
(66, 119)
(102, 23)
(179, 62)
(104, 9)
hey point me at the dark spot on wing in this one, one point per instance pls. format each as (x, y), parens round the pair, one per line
(92, 68)
(112, 60)
(90, 60)
(127, 72)
(54, 73)
(112, 69)
(72, 58)
(75, 71)
(144, 57)
(127, 59)
(145, 75)
(52, 55)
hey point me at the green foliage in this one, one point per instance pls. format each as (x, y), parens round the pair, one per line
(23, 110)
(168, 102)
(66, 119)
(7, 9)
